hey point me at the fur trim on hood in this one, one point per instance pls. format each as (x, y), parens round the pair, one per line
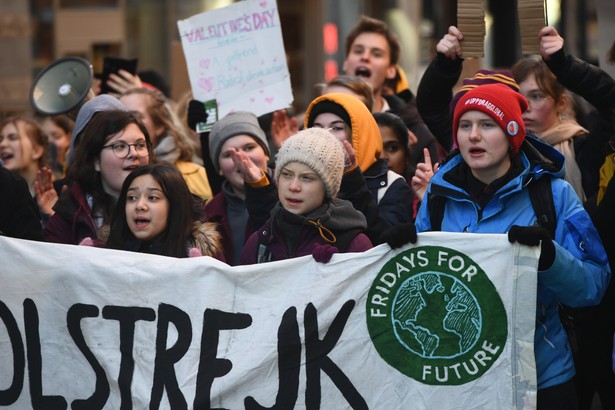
(206, 240)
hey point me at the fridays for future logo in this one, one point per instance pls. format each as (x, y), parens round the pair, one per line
(434, 315)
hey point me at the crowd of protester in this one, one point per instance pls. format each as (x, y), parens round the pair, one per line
(368, 163)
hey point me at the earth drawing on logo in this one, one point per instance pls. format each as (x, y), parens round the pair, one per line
(436, 316)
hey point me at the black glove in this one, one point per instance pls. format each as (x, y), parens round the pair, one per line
(323, 253)
(533, 236)
(399, 235)
(196, 113)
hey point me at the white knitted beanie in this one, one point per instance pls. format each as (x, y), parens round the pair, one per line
(318, 149)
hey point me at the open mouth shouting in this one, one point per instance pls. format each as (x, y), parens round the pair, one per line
(363, 72)
(6, 156)
(141, 222)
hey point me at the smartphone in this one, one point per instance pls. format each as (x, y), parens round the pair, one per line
(112, 65)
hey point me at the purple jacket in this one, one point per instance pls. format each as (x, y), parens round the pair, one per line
(286, 235)
(72, 221)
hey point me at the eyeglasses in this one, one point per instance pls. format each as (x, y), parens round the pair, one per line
(537, 100)
(122, 149)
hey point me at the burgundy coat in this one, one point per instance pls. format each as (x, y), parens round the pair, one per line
(347, 224)
(72, 221)
(215, 211)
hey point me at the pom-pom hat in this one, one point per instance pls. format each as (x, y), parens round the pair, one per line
(318, 149)
(502, 104)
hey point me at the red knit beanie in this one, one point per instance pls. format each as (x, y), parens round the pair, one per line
(501, 103)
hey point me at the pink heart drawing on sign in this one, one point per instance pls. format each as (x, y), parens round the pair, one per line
(206, 83)
(269, 100)
(204, 63)
(263, 4)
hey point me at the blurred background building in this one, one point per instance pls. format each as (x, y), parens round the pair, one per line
(34, 33)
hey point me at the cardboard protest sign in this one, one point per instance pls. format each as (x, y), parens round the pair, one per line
(471, 22)
(235, 55)
(532, 18)
(446, 323)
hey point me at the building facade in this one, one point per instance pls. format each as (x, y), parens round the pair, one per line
(35, 33)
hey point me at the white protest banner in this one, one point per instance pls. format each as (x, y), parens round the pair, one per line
(236, 56)
(447, 323)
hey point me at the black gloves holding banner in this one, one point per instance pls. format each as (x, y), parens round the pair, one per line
(533, 236)
(398, 235)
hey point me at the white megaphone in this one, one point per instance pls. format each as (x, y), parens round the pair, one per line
(62, 87)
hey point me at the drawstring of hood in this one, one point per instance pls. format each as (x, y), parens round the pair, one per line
(324, 232)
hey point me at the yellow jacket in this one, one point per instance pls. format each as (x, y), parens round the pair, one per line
(195, 178)
(606, 173)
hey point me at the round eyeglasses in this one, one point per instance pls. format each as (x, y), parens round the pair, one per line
(122, 149)
(536, 100)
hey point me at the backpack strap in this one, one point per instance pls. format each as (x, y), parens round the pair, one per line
(436, 204)
(263, 253)
(541, 196)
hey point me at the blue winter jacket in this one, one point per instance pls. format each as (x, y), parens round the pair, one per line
(580, 272)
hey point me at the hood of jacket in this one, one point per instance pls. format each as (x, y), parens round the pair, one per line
(366, 140)
(538, 159)
(206, 238)
(338, 216)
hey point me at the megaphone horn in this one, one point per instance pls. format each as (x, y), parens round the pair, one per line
(62, 87)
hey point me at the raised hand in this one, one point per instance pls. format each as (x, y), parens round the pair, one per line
(550, 42)
(46, 195)
(450, 44)
(422, 175)
(350, 158)
(196, 113)
(282, 127)
(123, 81)
(245, 165)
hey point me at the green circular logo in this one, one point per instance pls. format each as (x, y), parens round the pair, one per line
(434, 315)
